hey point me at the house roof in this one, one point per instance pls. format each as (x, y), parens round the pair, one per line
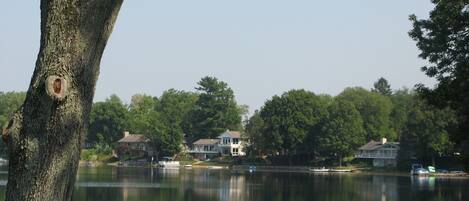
(207, 141)
(233, 134)
(133, 138)
(372, 145)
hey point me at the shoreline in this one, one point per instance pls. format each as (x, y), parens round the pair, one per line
(286, 169)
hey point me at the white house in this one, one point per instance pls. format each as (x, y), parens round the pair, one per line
(383, 153)
(229, 143)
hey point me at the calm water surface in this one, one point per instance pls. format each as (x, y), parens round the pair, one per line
(145, 184)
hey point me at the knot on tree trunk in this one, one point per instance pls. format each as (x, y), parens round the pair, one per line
(56, 87)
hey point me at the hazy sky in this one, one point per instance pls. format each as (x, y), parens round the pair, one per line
(259, 47)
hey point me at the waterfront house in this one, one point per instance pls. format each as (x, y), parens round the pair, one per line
(231, 144)
(228, 143)
(205, 148)
(382, 153)
(134, 145)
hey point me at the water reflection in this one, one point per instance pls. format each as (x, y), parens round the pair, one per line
(145, 184)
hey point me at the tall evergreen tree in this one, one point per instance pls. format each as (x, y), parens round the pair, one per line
(382, 87)
(215, 110)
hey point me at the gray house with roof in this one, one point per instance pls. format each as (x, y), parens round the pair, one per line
(205, 148)
(382, 153)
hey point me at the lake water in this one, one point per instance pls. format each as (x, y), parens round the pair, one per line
(145, 184)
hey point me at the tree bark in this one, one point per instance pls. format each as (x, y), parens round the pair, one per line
(44, 137)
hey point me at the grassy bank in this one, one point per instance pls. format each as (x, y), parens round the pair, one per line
(97, 156)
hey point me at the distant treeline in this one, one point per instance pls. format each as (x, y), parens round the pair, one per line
(324, 129)
(297, 123)
(166, 119)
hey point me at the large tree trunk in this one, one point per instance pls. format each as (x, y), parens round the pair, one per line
(45, 136)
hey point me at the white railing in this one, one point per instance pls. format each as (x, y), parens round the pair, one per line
(375, 155)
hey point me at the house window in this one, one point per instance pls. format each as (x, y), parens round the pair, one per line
(208, 147)
(141, 146)
(235, 151)
(226, 140)
(394, 153)
(235, 140)
(387, 153)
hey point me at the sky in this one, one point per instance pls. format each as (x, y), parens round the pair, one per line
(260, 48)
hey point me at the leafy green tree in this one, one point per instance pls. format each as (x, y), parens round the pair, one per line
(375, 110)
(310, 145)
(289, 119)
(174, 107)
(9, 103)
(109, 119)
(426, 134)
(215, 111)
(443, 40)
(142, 113)
(402, 101)
(382, 87)
(342, 131)
(164, 137)
(254, 132)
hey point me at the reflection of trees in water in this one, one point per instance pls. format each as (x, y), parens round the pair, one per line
(214, 185)
(382, 188)
(436, 189)
(220, 185)
(321, 187)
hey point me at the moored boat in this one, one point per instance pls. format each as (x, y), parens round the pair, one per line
(417, 169)
(169, 163)
(252, 168)
(341, 170)
(323, 169)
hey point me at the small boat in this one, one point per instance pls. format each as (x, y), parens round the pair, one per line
(323, 169)
(341, 170)
(215, 167)
(417, 169)
(252, 168)
(169, 163)
(3, 162)
(420, 171)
